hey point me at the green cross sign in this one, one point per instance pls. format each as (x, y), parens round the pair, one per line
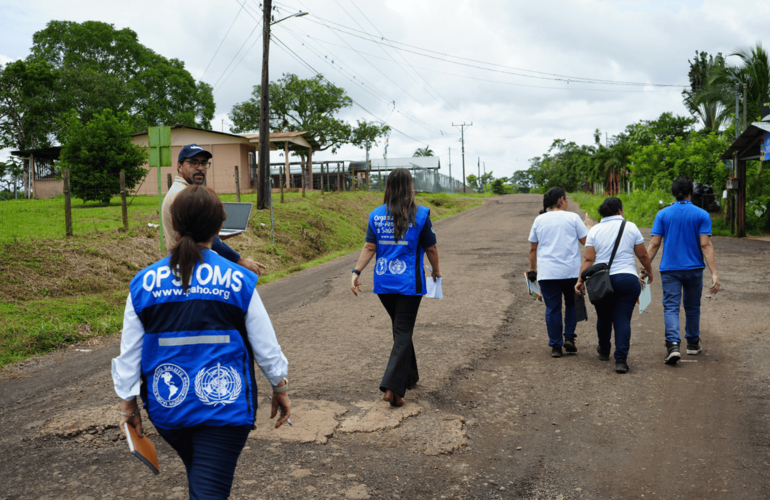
(160, 156)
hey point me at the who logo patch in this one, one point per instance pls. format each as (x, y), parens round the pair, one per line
(397, 266)
(218, 385)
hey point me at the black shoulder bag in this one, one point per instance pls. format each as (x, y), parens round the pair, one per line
(597, 277)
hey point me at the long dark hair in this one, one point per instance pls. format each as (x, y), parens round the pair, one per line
(197, 215)
(399, 200)
(610, 206)
(552, 197)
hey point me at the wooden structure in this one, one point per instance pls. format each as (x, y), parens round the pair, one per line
(745, 148)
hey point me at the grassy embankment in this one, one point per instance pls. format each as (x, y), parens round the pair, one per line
(56, 291)
(641, 207)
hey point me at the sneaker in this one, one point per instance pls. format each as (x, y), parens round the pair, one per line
(556, 352)
(603, 355)
(693, 349)
(621, 366)
(569, 344)
(672, 355)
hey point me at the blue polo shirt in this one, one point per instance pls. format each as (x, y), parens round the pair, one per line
(681, 225)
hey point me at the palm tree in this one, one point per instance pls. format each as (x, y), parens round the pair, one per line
(426, 151)
(711, 112)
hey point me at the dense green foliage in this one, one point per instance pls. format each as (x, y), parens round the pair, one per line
(640, 207)
(96, 153)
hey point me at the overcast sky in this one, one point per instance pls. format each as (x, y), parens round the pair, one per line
(515, 116)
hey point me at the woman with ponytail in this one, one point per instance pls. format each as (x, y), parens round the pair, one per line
(554, 259)
(400, 233)
(193, 327)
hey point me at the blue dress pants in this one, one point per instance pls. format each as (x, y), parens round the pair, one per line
(685, 288)
(210, 455)
(615, 312)
(552, 291)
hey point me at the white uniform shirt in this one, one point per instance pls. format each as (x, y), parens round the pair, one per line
(558, 250)
(602, 237)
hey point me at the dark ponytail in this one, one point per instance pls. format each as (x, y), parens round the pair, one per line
(682, 188)
(552, 197)
(610, 206)
(197, 215)
(399, 198)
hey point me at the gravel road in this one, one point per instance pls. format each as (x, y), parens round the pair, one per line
(494, 416)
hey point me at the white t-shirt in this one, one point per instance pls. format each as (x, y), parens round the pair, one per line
(602, 237)
(558, 251)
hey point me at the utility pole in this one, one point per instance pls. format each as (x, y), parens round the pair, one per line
(263, 195)
(450, 170)
(478, 164)
(462, 127)
(745, 114)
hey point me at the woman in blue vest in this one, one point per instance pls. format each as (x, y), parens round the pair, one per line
(190, 340)
(399, 234)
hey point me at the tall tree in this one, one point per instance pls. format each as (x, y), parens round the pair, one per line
(711, 113)
(96, 153)
(103, 67)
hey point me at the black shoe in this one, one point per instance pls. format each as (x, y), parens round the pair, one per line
(556, 352)
(621, 366)
(603, 355)
(569, 344)
(672, 355)
(693, 349)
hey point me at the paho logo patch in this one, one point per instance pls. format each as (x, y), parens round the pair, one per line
(169, 385)
(218, 385)
(382, 266)
(397, 266)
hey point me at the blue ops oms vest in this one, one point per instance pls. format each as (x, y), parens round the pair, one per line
(399, 266)
(197, 366)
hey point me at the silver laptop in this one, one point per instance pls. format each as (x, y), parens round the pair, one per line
(237, 218)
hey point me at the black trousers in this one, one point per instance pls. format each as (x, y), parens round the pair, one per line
(401, 373)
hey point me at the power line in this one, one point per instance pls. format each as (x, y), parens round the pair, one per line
(223, 39)
(239, 50)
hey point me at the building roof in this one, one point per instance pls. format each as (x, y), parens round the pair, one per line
(179, 126)
(747, 144)
(51, 153)
(410, 163)
(298, 141)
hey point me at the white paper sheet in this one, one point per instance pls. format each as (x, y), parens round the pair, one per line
(433, 289)
(645, 298)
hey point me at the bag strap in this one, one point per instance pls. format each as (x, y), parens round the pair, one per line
(617, 242)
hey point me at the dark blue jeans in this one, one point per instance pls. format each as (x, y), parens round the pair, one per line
(615, 312)
(682, 287)
(210, 455)
(552, 291)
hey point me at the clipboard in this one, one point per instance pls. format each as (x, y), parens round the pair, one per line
(433, 290)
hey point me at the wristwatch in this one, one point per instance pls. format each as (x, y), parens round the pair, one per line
(283, 388)
(357, 272)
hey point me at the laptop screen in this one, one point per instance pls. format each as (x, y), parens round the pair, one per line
(237, 215)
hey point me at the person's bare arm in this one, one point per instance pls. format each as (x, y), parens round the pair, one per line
(432, 254)
(644, 259)
(369, 251)
(533, 256)
(589, 257)
(652, 248)
(583, 240)
(711, 262)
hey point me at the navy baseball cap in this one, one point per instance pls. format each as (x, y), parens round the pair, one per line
(192, 150)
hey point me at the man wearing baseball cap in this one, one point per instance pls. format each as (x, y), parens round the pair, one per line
(191, 167)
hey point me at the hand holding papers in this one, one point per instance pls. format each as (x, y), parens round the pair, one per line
(645, 298)
(532, 288)
(433, 288)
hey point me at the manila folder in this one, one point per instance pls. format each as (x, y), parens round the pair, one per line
(142, 448)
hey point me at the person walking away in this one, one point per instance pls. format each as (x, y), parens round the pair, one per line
(686, 230)
(614, 312)
(190, 339)
(554, 255)
(192, 165)
(400, 234)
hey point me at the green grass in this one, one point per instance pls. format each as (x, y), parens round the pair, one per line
(57, 291)
(640, 207)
